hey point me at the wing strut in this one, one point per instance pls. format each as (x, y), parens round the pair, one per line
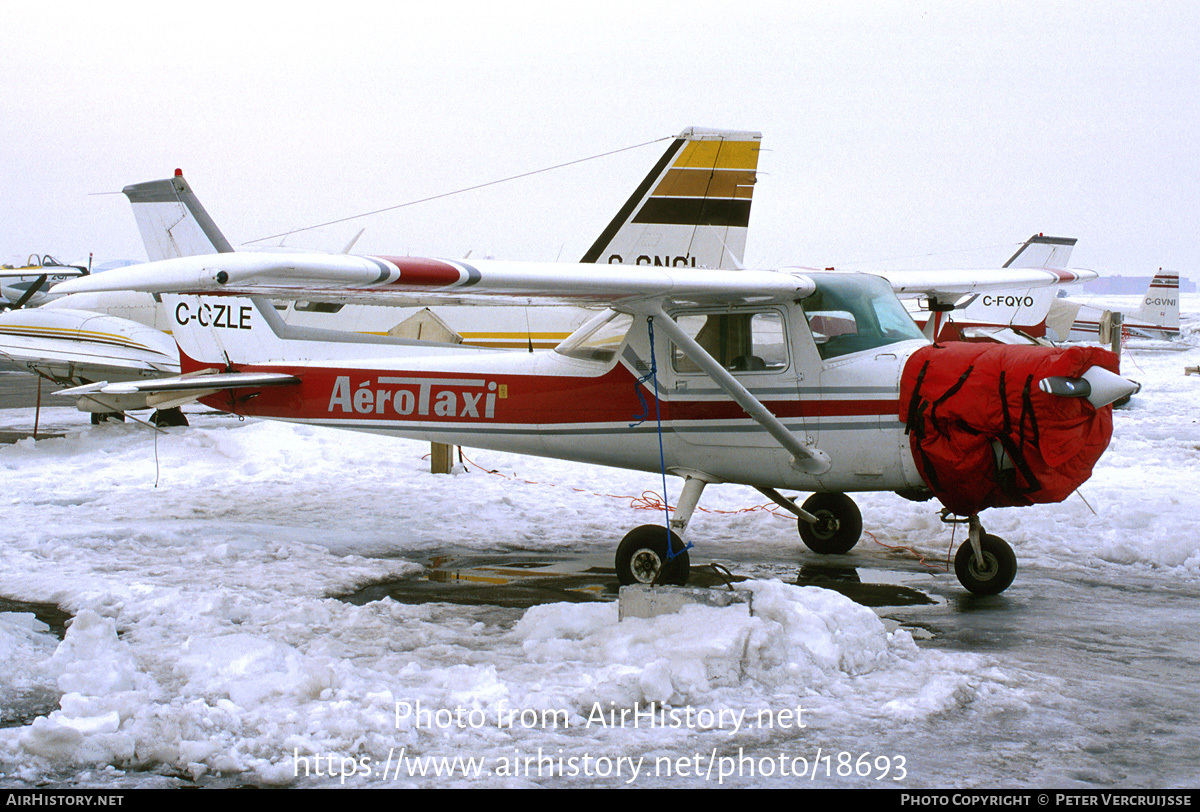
(804, 457)
(787, 504)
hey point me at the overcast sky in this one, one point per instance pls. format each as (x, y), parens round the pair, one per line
(936, 133)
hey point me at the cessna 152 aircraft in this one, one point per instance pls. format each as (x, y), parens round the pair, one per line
(813, 381)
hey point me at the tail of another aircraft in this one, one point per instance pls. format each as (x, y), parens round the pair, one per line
(692, 210)
(1026, 309)
(171, 220)
(1160, 305)
(1040, 251)
(1157, 318)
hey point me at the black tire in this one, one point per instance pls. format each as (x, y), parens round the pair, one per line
(838, 527)
(642, 557)
(104, 417)
(994, 575)
(169, 417)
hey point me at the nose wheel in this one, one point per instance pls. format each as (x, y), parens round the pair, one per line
(985, 564)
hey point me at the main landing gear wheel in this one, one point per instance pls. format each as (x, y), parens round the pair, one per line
(169, 417)
(642, 557)
(838, 527)
(104, 417)
(994, 573)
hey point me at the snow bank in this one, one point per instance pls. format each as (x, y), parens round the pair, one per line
(385, 676)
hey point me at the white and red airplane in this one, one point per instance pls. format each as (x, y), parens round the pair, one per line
(986, 316)
(813, 381)
(1156, 318)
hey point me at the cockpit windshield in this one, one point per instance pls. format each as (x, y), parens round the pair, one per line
(598, 339)
(855, 312)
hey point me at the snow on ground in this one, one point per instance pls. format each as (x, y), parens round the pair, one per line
(199, 567)
(204, 639)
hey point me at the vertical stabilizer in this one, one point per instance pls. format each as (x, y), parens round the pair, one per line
(1026, 309)
(1160, 305)
(1042, 252)
(171, 220)
(692, 210)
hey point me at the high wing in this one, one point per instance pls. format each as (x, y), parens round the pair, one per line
(406, 281)
(1017, 291)
(419, 281)
(1019, 305)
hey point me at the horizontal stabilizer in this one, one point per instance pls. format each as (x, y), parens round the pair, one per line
(166, 393)
(215, 382)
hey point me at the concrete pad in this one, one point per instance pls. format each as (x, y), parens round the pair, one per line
(640, 600)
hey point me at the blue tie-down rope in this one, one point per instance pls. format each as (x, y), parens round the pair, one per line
(652, 376)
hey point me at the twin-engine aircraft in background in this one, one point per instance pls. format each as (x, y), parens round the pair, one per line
(819, 382)
(691, 211)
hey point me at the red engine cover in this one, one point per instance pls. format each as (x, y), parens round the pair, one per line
(983, 433)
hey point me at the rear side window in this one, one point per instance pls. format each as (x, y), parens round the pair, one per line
(740, 342)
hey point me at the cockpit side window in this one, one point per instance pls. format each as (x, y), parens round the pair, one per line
(740, 342)
(850, 314)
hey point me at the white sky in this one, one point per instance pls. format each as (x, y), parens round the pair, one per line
(897, 129)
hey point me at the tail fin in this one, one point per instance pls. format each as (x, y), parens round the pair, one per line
(1026, 309)
(172, 221)
(1160, 305)
(1042, 252)
(692, 210)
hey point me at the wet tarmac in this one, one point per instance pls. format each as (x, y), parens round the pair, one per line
(514, 583)
(519, 583)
